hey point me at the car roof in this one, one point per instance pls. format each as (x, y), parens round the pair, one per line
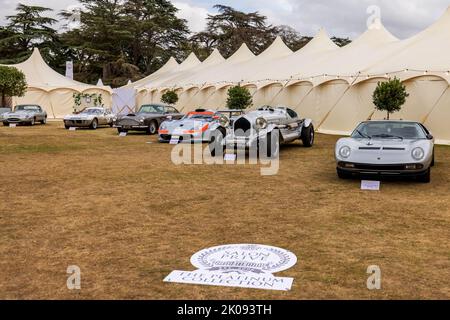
(390, 121)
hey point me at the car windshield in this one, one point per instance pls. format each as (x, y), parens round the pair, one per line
(389, 130)
(231, 113)
(200, 116)
(92, 111)
(27, 108)
(151, 109)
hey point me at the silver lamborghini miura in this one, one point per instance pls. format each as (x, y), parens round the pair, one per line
(386, 148)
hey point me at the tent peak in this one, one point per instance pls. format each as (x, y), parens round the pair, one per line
(191, 61)
(376, 34)
(321, 42)
(214, 57)
(242, 54)
(277, 49)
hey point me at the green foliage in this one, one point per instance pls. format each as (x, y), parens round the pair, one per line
(12, 83)
(390, 96)
(26, 29)
(239, 98)
(170, 97)
(94, 100)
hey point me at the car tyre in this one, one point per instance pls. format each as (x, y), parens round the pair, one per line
(32, 122)
(432, 161)
(308, 136)
(44, 121)
(94, 124)
(272, 151)
(6, 124)
(343, 175)
(215, 142)
(426, 177)
(152, 128)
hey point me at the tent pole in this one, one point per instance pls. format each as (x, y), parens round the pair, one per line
(278, 93)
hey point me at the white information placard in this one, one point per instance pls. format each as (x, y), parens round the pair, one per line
(370, 185)
(122, 134)
(72, 129)
(230, 157)
(12, 125)
(250, 281)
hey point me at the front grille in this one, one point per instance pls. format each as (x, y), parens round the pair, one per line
(14, 119)
(242, 128)
(128, 122)
(379, 167)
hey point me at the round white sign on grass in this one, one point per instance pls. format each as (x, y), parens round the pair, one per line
(244, 258)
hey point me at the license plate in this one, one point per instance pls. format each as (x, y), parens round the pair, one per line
(175, 140)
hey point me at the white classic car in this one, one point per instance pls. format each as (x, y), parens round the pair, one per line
(90, 118)
(386, 148)
(262, 130)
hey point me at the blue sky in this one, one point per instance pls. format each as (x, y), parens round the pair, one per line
(347, 18)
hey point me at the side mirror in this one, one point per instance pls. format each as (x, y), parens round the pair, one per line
(430, 136)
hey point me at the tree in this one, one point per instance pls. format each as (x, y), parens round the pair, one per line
(239, 98)
(389, 96)
(12, 83)
(170, 97)
(26, 29)
(117, 36)
(228, 29)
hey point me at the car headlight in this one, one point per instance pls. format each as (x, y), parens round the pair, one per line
(418, 153)
(345, 152)
(224, 121)
(261, 123)
(141, 121)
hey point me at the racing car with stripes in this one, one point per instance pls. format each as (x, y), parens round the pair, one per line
(196, 126)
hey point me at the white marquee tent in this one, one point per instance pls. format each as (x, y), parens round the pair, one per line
(53, 91)
(331, 85)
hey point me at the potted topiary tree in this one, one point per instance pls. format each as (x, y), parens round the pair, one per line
(170, 97)
(12, 83)
(390, 96)
(239, 98)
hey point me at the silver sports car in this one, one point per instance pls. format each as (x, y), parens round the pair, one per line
(90, 118)
(386, 148)
(25, 114)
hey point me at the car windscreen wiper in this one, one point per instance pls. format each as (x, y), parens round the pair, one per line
(363, 135)
(387, 136)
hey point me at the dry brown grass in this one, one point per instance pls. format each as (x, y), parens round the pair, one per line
(119, 209)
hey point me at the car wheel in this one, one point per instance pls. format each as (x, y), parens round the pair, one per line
(343, 175)
(67, 127)
(94, 124)
(152, 128)
(308, 136)
(6, 124)
(44, 121)
(32, 122)
(432, 161)
(425, 178)
(272, 150)
(215, 142)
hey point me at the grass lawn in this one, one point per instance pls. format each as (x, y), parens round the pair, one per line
(119, 209)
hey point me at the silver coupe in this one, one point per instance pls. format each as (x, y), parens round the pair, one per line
(386, 148)
(90, 118)
(29, 114)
